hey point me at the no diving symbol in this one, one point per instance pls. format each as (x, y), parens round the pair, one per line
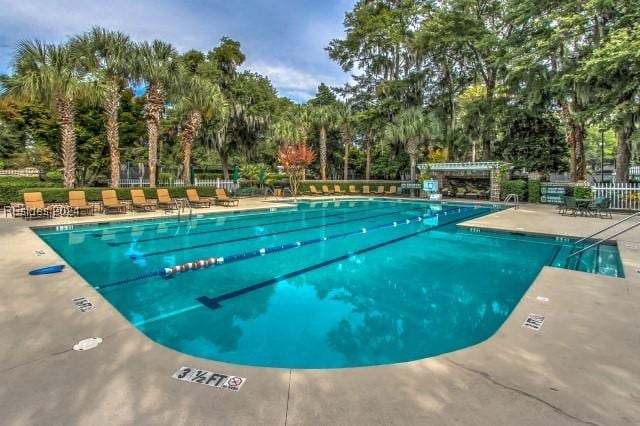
(234, 382)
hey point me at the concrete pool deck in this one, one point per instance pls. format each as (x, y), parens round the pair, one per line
(582, 367)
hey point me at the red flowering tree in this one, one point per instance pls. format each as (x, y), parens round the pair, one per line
(295, 159)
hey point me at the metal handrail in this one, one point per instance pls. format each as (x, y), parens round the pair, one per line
(514, 198)
(607, 228)
(597, 243)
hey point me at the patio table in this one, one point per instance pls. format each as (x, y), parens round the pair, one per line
(583, 205)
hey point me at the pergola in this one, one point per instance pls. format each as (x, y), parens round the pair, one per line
(483, 169)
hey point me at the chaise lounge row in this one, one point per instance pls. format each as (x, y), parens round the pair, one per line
(34, 206)
(337, 190)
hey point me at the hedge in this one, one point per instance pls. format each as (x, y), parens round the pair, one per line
(533, 190)
(11, 187)
(516, 186)
(344, 185)
(61, 195)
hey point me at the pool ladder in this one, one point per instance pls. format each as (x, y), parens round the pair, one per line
(513, 198)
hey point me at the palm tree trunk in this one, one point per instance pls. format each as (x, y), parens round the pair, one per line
(367, 169)
(111, 106)
(575, 140)
(346, 141)
(412, 150)
(66, 112)
(323, 153)
(155, 101)
(188, 134)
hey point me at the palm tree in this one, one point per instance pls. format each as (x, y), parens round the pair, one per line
(323, 116)
(198, 100)
(107, 57)
(158, 66)
(411, 127)
(345, 122)
(49, 74)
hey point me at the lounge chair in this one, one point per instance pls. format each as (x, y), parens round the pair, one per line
(393, 190)
(78, 203)
(380, 190)
(460, 193)
(140, 203)
(337, 190)
(34, 206)
(314, 191)
(326, 191)
(111, 204)
(365, 190)
(352, 190)
(196, 201)
(165, 202)
(224, 199)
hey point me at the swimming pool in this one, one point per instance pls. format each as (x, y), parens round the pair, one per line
(318, 285)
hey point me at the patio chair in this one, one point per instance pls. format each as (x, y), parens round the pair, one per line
(140, 203)
(460, 192)
(365, 190)
(600, 207)
(380, 190)
(34, 206)
(165, 202)
(111, 204)
(78, 203)
(337, 190)
(224, 199)
(326, 191)
(195, 200)
(314, 190)
(352, 190)
(570, 204)
(393, 190)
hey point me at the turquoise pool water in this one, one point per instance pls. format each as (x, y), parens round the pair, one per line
(339, 284)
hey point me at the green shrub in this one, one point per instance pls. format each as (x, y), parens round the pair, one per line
(582, 192)
(11, 187)
(55, 176)
(207, 175)
(533, 190)
(516, 186)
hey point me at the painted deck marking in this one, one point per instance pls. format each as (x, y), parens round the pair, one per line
(83, 304)
(209, 378)
(534, 322)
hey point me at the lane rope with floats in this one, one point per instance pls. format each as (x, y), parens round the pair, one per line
(169, 272)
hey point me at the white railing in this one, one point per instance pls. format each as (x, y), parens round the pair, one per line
(622, 196)
(144, 183)
(27, 172)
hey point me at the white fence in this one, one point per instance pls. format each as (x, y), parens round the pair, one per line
(28, 172)
(144, 183)
(622, 196)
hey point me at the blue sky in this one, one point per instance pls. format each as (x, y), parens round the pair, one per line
(283, 39)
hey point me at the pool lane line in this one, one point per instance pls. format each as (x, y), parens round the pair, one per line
(214, 303)
(229, 217)
(273, 249)
(297, 219)
(271, 234)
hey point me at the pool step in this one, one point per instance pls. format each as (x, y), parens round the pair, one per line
(602, 260)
